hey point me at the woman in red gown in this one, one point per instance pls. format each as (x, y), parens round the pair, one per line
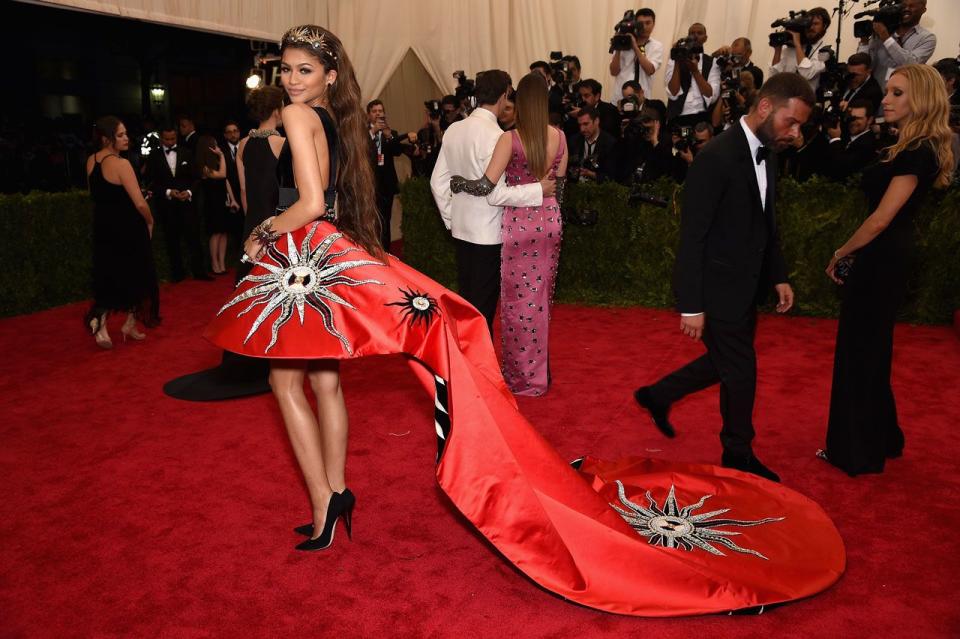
(633, 536)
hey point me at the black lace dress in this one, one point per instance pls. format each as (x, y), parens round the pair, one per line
(863, 430)
(124, 275)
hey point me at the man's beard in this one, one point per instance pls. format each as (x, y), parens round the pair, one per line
(768, 136)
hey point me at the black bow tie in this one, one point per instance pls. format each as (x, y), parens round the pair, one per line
(171, 149)
(763, 153)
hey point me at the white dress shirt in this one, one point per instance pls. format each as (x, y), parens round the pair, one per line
(171, 159)
(809, 69)
(914, 47)
(695, 99)
(467, 148)
(653, 49)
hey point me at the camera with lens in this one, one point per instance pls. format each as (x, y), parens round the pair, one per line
(465, 90)
(889, 13)
(637, 195)
(630, 107)
(685, 49)
(434, 110)
(561, 69)
(686, 139)
(621, 32)
(795, 22)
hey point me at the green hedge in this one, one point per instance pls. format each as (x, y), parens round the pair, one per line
(627, 257)
(46, 250)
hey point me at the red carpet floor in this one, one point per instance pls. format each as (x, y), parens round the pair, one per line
(129, 514)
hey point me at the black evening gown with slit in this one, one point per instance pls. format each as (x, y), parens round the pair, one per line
(863, 430)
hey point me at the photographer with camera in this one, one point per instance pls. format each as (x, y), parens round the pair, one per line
(897, 37)
(452, 112)
(860, 84)
(851, 153)
(636, 55)
(384, 146)
(687, 143)
(949, 70)
(555, 89)
(589, 97)
(737, 93)
(646, 153)
(693, 80)
(594, 153)
(806, 31)
(633, 101)
(426, 142)
(737, 56)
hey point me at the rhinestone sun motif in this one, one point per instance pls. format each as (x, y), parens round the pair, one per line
(299, 279)
(670, 526)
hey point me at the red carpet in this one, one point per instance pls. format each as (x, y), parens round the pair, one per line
(129, 514)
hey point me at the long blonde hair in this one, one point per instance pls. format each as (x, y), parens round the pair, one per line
(533, 118)
(929, 119)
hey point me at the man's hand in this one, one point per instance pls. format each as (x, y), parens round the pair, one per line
(549, 186)
(785, 294)
(834, 131)
(692, 325)
(797, 42)
(686, 155)
(881, 31)
(693, 66)
(587, 173)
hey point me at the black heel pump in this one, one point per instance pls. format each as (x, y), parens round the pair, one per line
(341, 505)
(307, 529)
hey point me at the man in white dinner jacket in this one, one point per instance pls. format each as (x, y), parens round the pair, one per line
(474, 221)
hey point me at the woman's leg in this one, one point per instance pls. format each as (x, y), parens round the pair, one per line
(324, 378)
(212, 243)
(222, 252)
(286, 380)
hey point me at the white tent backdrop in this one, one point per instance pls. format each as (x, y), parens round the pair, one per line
(480, 34)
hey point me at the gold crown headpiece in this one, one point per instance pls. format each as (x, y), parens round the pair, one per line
(306, 35)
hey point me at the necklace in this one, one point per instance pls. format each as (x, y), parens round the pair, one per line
(262, 133)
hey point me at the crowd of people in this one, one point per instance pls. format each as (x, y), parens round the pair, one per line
(319, 285)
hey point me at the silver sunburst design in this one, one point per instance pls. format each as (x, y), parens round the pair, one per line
(671, 526)
(299, 279)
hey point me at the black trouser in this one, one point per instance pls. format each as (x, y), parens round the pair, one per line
(181, 224)
(385, 211)
(731, 360)
(478, 276)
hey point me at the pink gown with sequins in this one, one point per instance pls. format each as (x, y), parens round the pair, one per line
(528, 272)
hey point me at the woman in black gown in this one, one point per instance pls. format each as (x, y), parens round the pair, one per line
(124, 276)
(218, 200)
(257, 161)
(863, 431)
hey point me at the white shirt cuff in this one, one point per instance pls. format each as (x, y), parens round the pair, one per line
(690, 314)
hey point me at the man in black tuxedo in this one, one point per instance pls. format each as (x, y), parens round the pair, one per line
(595, 154)
(172, 179)
(384, 146)
(231, 138)
(188, 132)
(861, 85)
(729, 253)
(851, 153)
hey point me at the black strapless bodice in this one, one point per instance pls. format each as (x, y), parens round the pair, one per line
(288, 189)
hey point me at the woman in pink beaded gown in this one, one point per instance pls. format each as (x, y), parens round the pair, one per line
(531, 237)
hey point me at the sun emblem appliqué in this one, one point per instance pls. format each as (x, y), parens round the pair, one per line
(417, 307)
(671, 526)
(299, 279)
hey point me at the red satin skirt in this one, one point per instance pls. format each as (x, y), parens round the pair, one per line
(634, 536)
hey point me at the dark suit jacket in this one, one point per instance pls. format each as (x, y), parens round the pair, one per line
(844, 160)
(870, 90)
(608, 153)
(729, 246)
(160, 178)
(385, 176)
(609, 118)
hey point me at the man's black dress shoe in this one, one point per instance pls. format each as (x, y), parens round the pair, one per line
(203, 278)
(658, 413)
(749, 465)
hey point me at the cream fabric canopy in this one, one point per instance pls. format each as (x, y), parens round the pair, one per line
(480, 34)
